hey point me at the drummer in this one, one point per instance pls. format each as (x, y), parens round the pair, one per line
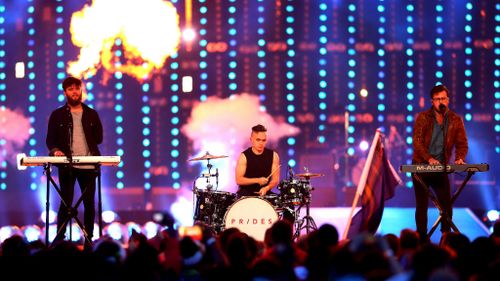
(257, 169)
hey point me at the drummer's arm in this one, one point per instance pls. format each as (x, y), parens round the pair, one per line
(241, 167)
(276, 173)
(274, 176)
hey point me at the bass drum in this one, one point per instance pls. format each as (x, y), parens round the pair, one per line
(251, 215)
(211, 207)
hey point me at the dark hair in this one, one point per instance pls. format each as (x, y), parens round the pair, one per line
(259, 128)
(71, 81)
(439, 88)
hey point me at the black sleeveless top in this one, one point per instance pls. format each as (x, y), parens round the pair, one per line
(257, 166)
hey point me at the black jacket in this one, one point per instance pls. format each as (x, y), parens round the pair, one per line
(60, 130)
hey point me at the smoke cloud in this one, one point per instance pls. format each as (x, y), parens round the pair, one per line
(14, 132)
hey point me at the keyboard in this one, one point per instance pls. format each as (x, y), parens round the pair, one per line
(76, 160)
(453, 168)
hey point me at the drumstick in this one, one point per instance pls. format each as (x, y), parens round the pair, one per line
(256, 192)
(273, 172)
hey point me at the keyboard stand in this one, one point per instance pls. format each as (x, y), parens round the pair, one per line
(72, 210)
(453, 199)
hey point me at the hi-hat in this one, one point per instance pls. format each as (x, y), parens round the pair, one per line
(309, 175)
(207, 156)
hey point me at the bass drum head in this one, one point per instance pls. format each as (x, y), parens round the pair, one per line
(251, 215)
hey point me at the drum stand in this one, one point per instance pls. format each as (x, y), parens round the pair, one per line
(210, 221)
(307, 222)
(72, 210)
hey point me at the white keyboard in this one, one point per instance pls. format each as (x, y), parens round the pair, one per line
(76, 160)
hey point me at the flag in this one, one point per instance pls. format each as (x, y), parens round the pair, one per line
(377, 184)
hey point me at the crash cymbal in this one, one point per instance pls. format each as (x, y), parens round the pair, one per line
(207, 156)
(309, 175)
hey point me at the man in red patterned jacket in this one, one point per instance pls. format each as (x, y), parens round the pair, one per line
(436, 133)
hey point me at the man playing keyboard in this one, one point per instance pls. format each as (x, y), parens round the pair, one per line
(436, 133)
(75, 129)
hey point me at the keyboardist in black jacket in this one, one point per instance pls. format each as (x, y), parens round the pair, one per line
(75, 129)
(436, 133)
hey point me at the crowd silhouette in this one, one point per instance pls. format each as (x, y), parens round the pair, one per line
(234, 255)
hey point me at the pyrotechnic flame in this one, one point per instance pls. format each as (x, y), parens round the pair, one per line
(146, 32)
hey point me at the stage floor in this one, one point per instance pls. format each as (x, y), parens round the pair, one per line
(396, 219)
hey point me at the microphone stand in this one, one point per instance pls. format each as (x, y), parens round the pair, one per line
(216, 178)
(209, 185)
(442, 107)
(70, 138)
(195, 202)
(70, 210)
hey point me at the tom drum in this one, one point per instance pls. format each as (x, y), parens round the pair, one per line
(294, 192)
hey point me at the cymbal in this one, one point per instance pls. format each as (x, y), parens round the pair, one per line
(207, 156)
(309, 175)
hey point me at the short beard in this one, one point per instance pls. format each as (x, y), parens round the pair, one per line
(74, 102)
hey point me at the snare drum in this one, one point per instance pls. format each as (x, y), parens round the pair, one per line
(273, 199)
(294, 192)
(251, 215)
(211, 206)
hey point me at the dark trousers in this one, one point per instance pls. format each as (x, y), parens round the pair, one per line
(87, 181)
(440, 184)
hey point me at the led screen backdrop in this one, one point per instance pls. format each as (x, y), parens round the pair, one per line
(173, 80)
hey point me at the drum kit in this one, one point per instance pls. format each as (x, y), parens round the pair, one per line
(219, 210)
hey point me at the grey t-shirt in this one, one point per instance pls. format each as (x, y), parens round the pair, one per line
(79, 145)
